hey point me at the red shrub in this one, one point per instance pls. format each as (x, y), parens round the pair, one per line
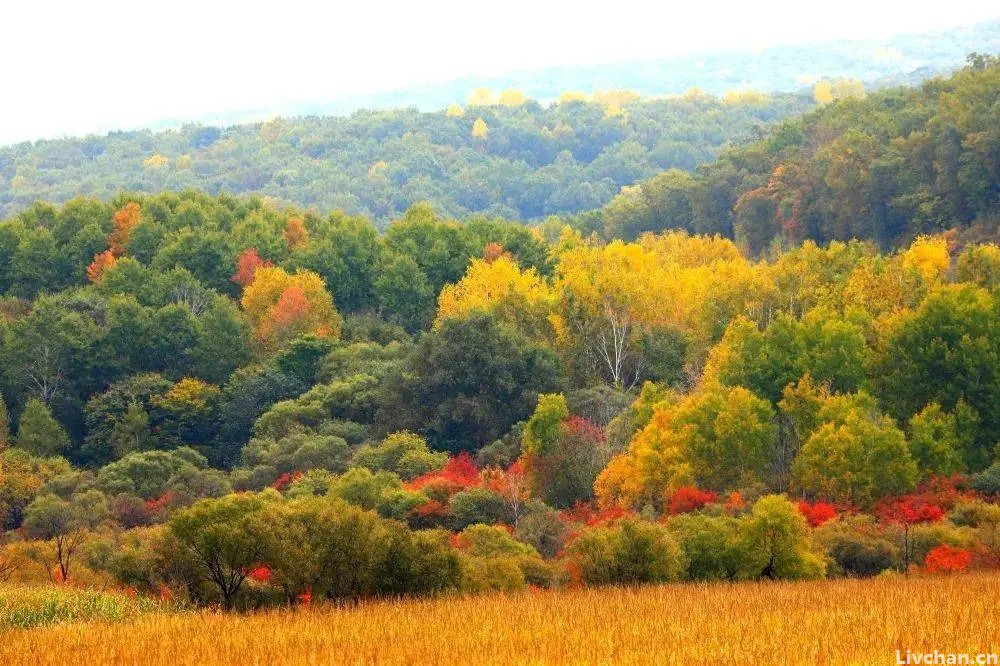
(588, 514)
(817, 513)
(286, 479)
(688, 498)
(946, 559)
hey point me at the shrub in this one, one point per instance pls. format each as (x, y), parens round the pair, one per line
(629, 551)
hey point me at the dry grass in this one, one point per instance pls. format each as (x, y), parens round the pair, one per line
(840, 622)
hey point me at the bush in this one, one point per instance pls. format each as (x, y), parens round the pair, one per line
(711, 545)
(630, 551)
(477, 505)
(856, 546)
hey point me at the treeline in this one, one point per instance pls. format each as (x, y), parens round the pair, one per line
(888, 166)
(504, 156)
(237, 404)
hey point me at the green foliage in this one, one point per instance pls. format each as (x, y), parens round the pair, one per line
(39, 433)
(404, 453)
(630, 551)
(776, 544)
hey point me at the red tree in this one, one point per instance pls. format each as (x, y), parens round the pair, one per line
(246, 266)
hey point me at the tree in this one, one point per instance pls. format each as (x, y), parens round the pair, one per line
(776, 544)
(5, 439)
(131, 433)
(281, 306)
(468, 382)
(947, 352)
(101, 263)
(856, 455)
(65, 523)
(935, 442)
(479, 130)
(295, 233)
(219, 537)
(246, 266)
(125, 221)
(39, 433)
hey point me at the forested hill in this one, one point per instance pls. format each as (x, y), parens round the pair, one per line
(506, 156)
(887, 166)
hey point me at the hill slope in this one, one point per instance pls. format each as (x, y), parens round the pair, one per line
(527, 162)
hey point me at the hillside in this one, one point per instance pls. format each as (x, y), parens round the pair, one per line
(524, 161)
(887, 166)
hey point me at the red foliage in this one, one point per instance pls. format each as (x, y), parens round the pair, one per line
(946, 559)
(734, 503)
(291, 308)
(431, 513)
(163, 503)
(247, 265)
(460, 472)
(260, 574)
(817, 513)
(688, 498)
(286, 479)
(164, 592)
(588, 514)
(908, 510)
(129, 591)
(492, 252)
(577, 426)
(306, 597)
(945, 492)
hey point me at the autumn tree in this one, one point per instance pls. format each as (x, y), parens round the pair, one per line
(101, 263)
(246, 266)
(281, 306)
(124, 222)
(295, 233)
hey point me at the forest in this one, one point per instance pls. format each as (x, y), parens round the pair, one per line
(500, 155)
(222, 400)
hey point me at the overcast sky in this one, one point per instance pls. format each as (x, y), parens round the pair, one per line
(79, 66)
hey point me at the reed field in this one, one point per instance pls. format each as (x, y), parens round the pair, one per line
(825, 622)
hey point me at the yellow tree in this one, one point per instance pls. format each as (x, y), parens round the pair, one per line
(455, 111)
(480, 130)
(496, 284)
(281, 306)
(512, 97)
(481, 97)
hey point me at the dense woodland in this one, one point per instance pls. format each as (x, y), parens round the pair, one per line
(886, 166)
(501, 155)
(224, 401)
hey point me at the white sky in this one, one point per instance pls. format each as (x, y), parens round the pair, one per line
(77, 66)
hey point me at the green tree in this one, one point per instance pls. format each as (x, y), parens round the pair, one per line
(775, 542)
(39, 433)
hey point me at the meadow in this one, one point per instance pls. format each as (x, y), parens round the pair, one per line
(842, 621)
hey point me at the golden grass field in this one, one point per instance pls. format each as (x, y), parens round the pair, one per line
(826, 622)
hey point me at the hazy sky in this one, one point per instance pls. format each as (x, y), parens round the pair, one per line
(73, 67)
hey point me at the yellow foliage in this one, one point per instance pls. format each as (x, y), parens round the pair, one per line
(480, 130)
(482, 97)
(156, 161)
(455, 111)
(823, 92)
(736, 97)
(654, 466)
(572, 96)
(512, 97)
(499, 286)
(184, 162)
(188, 393)
(928, 255)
